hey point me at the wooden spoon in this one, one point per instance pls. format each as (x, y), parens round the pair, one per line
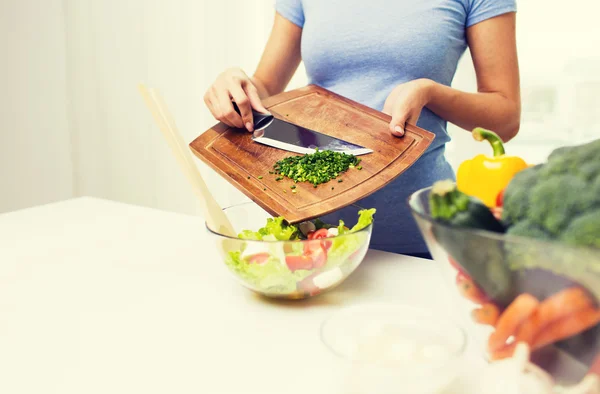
(213, 214)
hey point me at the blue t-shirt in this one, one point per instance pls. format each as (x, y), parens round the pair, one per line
(364, 49)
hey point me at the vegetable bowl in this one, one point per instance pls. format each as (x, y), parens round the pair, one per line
(515, 288)
(285, 261)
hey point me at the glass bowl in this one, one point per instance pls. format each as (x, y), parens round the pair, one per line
(390, 348)
(486, 272)
(290, 269)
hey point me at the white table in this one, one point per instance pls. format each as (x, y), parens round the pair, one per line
(103, 297)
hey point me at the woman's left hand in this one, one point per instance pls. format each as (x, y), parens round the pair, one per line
(405, 103)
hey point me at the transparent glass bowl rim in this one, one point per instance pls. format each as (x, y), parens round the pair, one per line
(504, 238)
(418, 312)
(250, 203)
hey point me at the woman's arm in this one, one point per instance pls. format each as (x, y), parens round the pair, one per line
(279, 61)
(496, 105)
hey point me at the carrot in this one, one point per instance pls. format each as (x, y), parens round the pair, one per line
(488, 314)
(564, 303)
(469, 289)
(566, 327)
(555, 307)
(511, 319)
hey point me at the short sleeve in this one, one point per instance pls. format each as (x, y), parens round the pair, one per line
(291, 10)
(480, 10)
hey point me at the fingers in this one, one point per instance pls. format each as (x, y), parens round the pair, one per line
(401, 119)
(208, 100)
(398, 122)
(243, 103)
(254, 98)
(225, 109)
(413, 118)
(388, 106)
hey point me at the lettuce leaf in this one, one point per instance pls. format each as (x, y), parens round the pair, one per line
(350, 241)
(365, 218)
(276, 227)
(273, 277)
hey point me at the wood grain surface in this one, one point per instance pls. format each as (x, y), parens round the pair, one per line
(241, 161)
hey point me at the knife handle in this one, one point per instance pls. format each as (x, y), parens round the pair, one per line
(259, 119)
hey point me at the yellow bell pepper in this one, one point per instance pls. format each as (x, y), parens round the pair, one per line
(485, 177)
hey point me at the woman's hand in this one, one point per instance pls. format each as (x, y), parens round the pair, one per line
(234, 84)
(405, 104)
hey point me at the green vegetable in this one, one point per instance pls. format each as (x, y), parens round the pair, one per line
(316, 168)
(349, 241)
(584, 230)
(527, 228)
(276, 227)
(451, 206)
(480, 256)
(557, 201)
(561, 197)
(273, 277)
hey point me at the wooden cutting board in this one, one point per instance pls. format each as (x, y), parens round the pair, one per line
(246, 164)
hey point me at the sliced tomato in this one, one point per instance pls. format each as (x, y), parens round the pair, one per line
(259, 258)
(319, 258)
(296, 263)
(322, 234)
(316, 252)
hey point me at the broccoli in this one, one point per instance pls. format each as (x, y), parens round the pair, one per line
(526, 228)
(584, 230)
(516, 195)
(571, 159)
(557, 200)
(554, 202)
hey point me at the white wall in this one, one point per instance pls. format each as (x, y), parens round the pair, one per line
(559, 61)
(35, 154)
(176, 46)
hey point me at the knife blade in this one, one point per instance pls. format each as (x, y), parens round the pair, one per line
(280, 134)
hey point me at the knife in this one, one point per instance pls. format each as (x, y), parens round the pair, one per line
(280, 134)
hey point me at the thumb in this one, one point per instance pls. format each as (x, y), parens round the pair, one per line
(254, 99)
(397, 124)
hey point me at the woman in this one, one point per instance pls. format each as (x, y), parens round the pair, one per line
(398, 57)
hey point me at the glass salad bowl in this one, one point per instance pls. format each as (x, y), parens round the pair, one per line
(513, 289)
(263, 260)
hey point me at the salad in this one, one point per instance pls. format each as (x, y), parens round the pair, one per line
(280, 259)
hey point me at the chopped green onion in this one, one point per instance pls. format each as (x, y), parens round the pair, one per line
(260, 177)
(316, 168)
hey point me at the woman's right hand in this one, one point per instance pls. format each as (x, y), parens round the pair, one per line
(234, 84)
